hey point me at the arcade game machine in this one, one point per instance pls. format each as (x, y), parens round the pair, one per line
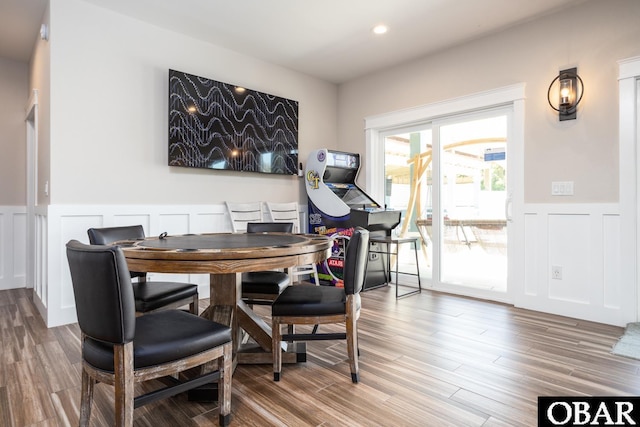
(337, 205)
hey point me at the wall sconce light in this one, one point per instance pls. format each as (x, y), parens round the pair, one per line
(570, 91)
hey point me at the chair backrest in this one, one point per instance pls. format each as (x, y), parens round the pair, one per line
(107, 235)
(355, 261)
(285, 212)
(265, 227)
(103, 293)
(243, 213)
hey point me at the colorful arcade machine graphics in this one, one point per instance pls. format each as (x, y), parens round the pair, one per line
(337, 205)
(331, 271)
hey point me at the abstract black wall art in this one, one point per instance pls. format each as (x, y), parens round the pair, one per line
(216, 125)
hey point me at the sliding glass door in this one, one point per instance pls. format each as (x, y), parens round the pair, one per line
(450, 178)
(473, 217)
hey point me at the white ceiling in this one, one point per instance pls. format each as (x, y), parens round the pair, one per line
(329, 39)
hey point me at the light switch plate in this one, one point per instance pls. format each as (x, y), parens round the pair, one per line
(562, 188)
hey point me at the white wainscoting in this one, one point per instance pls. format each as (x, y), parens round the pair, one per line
(66, 222)
(584, 241)
(13, 250)
(38, 264)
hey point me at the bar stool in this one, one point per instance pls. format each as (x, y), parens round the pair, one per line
(389, 241)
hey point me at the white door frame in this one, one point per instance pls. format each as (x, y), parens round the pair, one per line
(514, 96)
(629, 98)
(31, 122)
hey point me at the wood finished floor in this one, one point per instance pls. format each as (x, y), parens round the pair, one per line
(426, 360)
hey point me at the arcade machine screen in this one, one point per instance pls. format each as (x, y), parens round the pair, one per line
(353, 197)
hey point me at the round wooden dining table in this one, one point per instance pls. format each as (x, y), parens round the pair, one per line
(224, 256)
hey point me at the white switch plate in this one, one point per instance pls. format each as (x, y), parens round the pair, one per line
(562, 188)
(568, 188)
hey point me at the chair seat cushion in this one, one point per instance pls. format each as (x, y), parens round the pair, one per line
(152, 295)
(264, 282)
(309, 300)
(162, 337)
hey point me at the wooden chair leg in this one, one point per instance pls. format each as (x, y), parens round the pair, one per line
(123, 367)
(225, 364)
(193, 307)
(86, 399)
(352, 347)
(316, 279)
(276, 334)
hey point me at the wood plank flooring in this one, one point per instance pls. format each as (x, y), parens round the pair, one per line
(425, 360)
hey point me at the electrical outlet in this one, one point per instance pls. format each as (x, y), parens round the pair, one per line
(556, 272)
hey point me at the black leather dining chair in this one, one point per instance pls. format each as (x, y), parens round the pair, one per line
(313, 305)
(149, 295)
(121, 349)
(262, 287)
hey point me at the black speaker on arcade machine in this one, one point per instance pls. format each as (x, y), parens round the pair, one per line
(337, 205)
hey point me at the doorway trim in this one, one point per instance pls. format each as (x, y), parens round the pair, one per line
(514, 96)
(31, 123)
(629, 98)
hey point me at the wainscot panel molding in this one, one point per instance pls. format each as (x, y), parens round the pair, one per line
(13, 250)
(57, 224)
(584, 241)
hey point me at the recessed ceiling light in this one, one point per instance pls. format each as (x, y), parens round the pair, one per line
(380, 29)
